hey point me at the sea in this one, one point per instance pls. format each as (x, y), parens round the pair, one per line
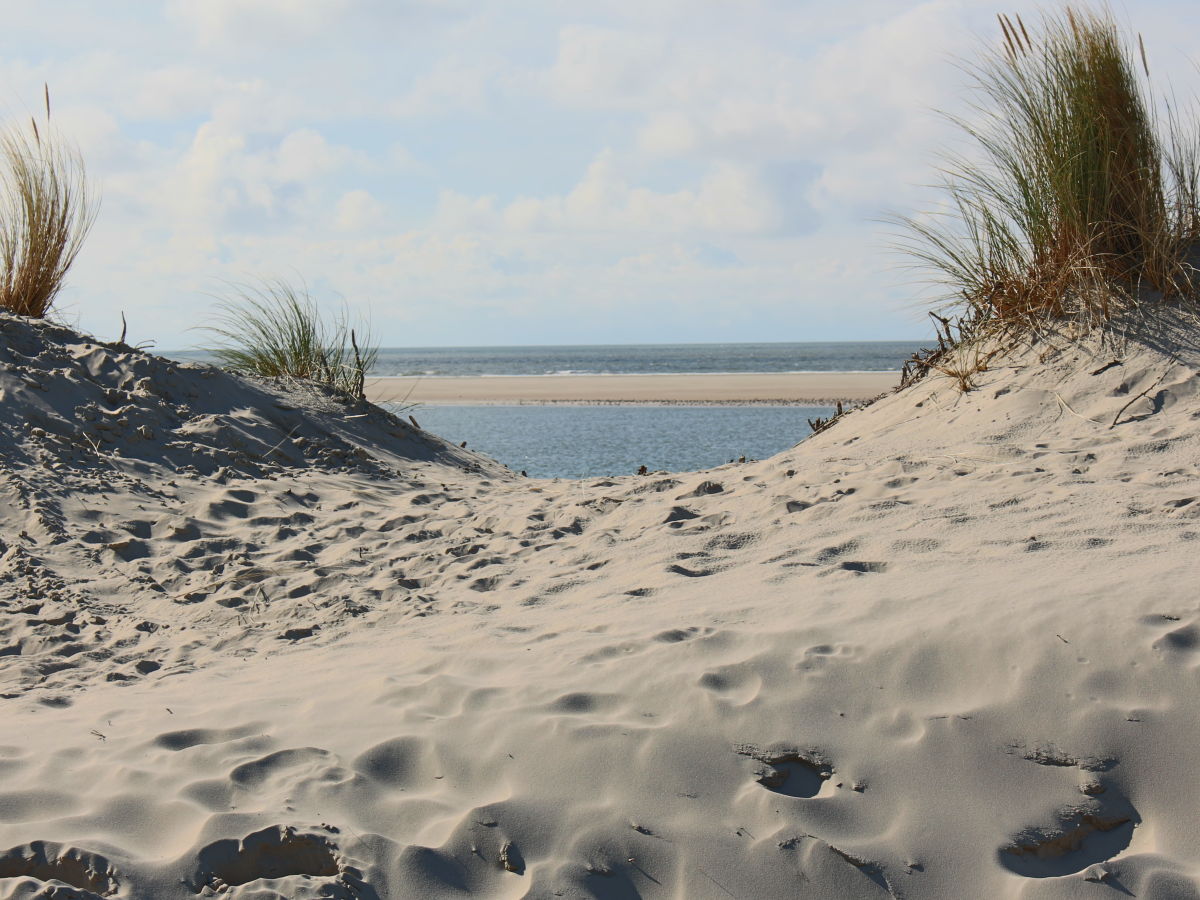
(645, 359)
(572, 441)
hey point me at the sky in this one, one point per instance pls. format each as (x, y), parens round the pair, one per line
(482, 172)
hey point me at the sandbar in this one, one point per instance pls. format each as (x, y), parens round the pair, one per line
(792, 388)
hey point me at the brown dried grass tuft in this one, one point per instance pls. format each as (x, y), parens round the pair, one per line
(46, 213)
(1083, 202)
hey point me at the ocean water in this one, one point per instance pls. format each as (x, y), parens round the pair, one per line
(590, 441)
(556, 441)
(641, 359)
(634, 359)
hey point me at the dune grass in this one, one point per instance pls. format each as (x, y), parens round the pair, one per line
(46, 212)
(1082, 200)
(275, 329)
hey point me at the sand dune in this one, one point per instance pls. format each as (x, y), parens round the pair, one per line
(261, 643)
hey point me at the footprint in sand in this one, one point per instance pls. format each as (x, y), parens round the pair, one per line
(90, 874)
(862, 567)
(917, 545)
(1093, 829)
(220, 510)
(736, 541)
(678, 515)
(1181, 644)
(793, 773)
(399, 763)
(690, 573)
(426, 499)
(275, 853)
(1080, 835)
(656, 487)
(818, 656)
(194, 737)
(829, 554)
(735, 684)
(581, 702)
(703, 489)
(485, 584)
(254, 774)
(678, 635)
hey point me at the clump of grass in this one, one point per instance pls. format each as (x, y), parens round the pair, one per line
(275, 329)
(1083, 202)
(46, 213)
(964, 350)
(966, 360)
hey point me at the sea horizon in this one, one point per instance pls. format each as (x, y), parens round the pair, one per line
(790, 357)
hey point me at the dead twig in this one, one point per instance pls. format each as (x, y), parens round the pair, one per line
(818, 424)
(1157, 382)
(358, 372)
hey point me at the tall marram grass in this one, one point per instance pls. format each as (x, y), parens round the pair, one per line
(275, 329)
(46, 212)
(1082, 201)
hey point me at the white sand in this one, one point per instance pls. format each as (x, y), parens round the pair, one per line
(800, 388)
(257, 646)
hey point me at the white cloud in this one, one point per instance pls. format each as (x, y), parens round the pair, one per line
(305, 154)
(453, 84)
(173, 90)
(357, 210)
(728, 199)
(856, 108)
(605, 66)
(457, 211)
(669, 133)
(215, 21)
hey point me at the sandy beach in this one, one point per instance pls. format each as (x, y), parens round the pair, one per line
(272, 629)
(801, 389)
(262, 642)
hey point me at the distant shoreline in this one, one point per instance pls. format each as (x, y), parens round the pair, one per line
(776, 388)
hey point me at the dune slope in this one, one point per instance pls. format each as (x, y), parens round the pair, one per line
(260, 644)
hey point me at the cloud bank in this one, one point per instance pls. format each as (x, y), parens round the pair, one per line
(526, 172)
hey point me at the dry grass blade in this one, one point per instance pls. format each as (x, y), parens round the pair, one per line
(46, 213)
(1069, 408)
